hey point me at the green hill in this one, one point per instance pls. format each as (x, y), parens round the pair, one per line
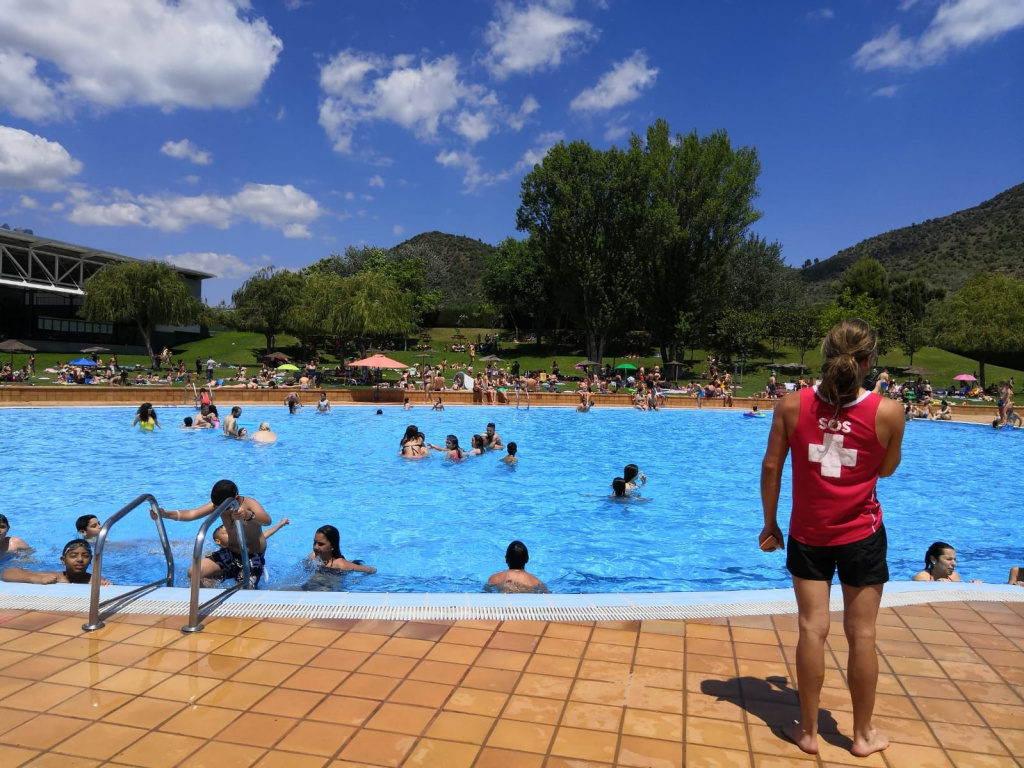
(945, 251)
(455, 265)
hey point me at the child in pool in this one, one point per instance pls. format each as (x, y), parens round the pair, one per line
(9, 543)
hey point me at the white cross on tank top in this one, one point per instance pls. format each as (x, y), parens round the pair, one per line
(832, 455)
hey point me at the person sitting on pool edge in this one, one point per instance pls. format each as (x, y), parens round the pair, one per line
(9, 543)
(327, 552)
(76, 559)
(226, 562)
(515, 579)
(88, 527)
(511, 458)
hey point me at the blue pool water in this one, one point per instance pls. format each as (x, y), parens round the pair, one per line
(436, 526)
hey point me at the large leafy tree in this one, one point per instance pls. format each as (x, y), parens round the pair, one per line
(708, 187)
(514, 282)
(265, 302)
(589, 213)
(909, 298)
(146, 293)
(983, 319)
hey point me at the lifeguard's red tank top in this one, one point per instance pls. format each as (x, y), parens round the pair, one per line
(835, 469)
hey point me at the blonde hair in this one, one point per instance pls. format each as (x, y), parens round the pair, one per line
(845, 347)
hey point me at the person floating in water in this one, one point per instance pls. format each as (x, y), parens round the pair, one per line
(492, 440)
(76, 559)
(88, 527)
(226, 562)
(635, 479)
(146, 418)
(9, 543)
(515, 578)
(327, 552)
(263, 434)
(511, 457)
(451, 448)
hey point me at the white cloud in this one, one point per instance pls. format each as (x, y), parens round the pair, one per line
(272, 206)
(22, 91)
(28, 161)
(614, 131)
(219, 264)
(887, 92)
(192, 179)
(186, 150)
(350, 195)
(376, 181)
(28, 203)
(534, 37)
(294, 5)
(364, 87)
(474, 176)
(535, 155)
(368, 198)
(281, 113)
(111, 53)
(957, 25)
(621, 85)
(527, 108)
(473, 126)
(821, 14)
(397, 230)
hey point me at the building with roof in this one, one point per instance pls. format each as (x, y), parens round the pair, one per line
(42, 286)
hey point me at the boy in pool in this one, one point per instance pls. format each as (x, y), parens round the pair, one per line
(492, 440)
(226, 562)
(511, 458)
(9, 543)
(516, 579)
(76, 558)
(88, 527)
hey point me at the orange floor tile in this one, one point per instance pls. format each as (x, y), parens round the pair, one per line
(481, 694)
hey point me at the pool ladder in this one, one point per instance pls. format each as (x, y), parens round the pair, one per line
(197, 399)
(194, 625)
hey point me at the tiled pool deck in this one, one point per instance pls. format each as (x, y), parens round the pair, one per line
(350, 692)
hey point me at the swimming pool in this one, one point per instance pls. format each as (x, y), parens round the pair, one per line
(434, 526)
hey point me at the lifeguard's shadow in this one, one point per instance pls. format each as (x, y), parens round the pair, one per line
(772, 701)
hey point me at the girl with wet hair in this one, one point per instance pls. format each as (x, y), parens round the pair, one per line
(451, 448)
(939, 564)
(327, 552)
(843, 438)
(411, 446)
(145, 417)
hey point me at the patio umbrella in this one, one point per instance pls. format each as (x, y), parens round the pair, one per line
(288, 367)
(277, 357)
(491, 359)
(625, 367)
(377, 361)
(675, 365)
(12, 346)
(792, 367)
(586, 363)
(82, 362)
(917, 370)
(94, 350)
(964, 377)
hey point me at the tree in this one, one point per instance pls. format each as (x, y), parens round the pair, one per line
(982, 319)
(146, 293)
(909, 298)
(514, 282)
(868, 277)
(588, 213)
(847, 306)
(804, 329)
(708, 188)
(373, 305)
(265, 302)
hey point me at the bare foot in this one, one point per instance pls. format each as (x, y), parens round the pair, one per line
(875, 742)
(806, 741)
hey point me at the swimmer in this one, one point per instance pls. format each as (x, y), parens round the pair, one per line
(630, 474)
(146, 418)
(323, 404)
(187, 423)
(584, 407)
(226, 562)
(231, 423)
(76, 558)
(940, 564)
(411, 445)
(511, 458)
(619, 488)
(492, 440)
(515, 579)
(243, 433)
(380, 412)
(407, 406)
(478, 448)
(1017, 576)
(753, 412)
(438, 405)
(293, 402)
(220, 536)
(88, 527)
(451, 448)
(327, 552)
(9, 543)
(214, 417)
(263, 434)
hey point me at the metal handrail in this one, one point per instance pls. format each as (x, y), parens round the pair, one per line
(195, 395)
(228, 505)
(97, 561)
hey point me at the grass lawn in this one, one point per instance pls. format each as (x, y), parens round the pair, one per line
(237, 348)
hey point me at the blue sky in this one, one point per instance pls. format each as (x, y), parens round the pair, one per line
(226, 135)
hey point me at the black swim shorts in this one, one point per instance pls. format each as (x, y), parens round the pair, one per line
(860, 564)
(231, 565)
